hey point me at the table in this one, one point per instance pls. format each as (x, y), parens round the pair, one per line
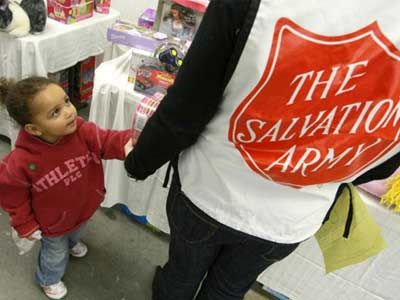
(113, 105)
(301, 276)
(60, 46)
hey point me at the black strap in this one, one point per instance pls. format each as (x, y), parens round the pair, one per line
(167, 175)
(349, 220)
(350, 214)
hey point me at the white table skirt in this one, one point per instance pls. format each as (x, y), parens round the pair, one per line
(113, 105)
(8, 127)
(301, 276)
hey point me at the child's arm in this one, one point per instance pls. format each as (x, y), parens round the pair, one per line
(15, 198)
(109, 144)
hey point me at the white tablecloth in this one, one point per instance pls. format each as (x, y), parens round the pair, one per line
(8, 127)
(60, 46)
(301, 276)
(113, 105)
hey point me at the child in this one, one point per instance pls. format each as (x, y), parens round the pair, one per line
(53, 180)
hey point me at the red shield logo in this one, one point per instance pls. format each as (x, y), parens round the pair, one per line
(324, 109)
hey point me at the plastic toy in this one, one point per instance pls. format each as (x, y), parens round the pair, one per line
(172, 58)
(20, 18)
(150, 80)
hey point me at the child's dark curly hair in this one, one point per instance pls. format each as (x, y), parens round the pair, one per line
(17, 96)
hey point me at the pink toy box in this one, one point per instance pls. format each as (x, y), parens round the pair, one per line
(70, 11)
(180, 18)
(143, 112)
(103, 6)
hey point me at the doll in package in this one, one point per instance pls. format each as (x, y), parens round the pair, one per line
(179, 21)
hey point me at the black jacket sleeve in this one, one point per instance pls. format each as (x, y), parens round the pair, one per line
(196, 94)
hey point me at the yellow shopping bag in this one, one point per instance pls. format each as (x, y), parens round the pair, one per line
(364, 237)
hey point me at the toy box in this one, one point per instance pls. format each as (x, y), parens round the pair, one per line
(149, 76)
(69, 11)
(126, 33)
(143, 112)
(147, 18)
(167, 57)
(62, 78)
(102, 6)
(155, 72)
(81, 81)
(180, 18)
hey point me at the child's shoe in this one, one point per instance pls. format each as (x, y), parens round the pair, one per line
(55, 291)
(79, 250)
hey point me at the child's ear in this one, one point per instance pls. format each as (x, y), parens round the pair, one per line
(32, 129)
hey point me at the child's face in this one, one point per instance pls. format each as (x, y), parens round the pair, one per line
(53, 115)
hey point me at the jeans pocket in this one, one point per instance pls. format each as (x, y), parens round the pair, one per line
(188, 224)
(279, 252)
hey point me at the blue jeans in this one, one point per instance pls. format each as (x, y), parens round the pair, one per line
(54, 257)
(229, 261)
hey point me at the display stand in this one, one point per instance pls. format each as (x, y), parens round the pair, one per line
(113, 105)
(57, 48)
(302, 275)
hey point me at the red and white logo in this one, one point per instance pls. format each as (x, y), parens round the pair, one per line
(325, 108)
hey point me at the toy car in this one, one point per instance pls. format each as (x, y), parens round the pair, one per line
(142, 80)
(150, 80)
(172, 58)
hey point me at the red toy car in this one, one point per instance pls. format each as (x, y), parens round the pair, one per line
(150, 79)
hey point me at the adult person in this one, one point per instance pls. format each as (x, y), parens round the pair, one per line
(276, 105)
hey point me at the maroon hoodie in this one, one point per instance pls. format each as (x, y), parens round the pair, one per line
(57, 187)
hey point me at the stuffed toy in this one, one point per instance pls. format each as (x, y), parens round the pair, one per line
(37, 13)
(13, 19)
(18, 18)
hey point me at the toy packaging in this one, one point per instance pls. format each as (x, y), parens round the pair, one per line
(128, 34)
(82, 80)
(62, 78)
(180, 18)
(143, 112)
(102, 6)
(155, 72)
(147, 19)
(149, 76)
(70, 11)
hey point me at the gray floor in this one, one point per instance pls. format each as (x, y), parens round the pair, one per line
(119, 266)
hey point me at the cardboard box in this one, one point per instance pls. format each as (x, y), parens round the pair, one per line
(62, 78)
(70, 11)
(128, 34)
(82, 80)
(180, 18)
(102, 6)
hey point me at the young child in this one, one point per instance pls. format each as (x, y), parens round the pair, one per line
(53, 180)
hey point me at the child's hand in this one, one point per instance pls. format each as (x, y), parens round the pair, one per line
(37, 235)
(128, 147)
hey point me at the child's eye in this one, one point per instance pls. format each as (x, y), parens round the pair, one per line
(67, 101)
(55, 113)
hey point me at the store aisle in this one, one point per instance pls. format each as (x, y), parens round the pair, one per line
(119, 266)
